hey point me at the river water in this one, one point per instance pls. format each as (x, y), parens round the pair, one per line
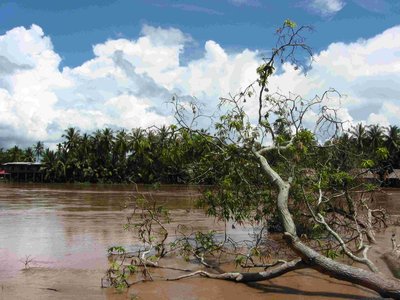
(65, 230)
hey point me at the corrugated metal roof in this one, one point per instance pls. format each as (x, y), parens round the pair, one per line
(21, 163)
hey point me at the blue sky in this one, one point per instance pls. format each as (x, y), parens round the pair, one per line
(75, 26)
(91, 64)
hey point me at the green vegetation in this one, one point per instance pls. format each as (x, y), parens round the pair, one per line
(169, 155)
(156, 155)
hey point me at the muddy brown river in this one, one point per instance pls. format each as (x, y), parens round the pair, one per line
(64, 232)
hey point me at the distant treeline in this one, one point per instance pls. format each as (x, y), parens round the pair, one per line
(164, 155)
(371, 147)
(169, 155)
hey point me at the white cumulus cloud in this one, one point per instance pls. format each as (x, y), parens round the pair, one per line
(125, 85)
(366, 72)
(128, 82)
(326, 8)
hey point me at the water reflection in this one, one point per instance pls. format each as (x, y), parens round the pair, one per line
(71, 226)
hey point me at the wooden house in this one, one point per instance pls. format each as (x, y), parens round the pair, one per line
(23, 171)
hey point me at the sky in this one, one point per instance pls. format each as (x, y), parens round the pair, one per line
(116, 63)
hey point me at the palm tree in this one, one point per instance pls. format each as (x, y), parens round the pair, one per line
(359, 135)
(375, 135)
(119, 157)
(139, 161)
(392, 137)
(49, 161)
(102, 145)
(14, 154)
(72, 137)
(29, 155)
(38, 149)
(392, 143)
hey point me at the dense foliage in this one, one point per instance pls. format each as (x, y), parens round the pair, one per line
(168, 155)
(165, 155)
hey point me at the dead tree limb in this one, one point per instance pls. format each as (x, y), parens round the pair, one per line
(250, 276)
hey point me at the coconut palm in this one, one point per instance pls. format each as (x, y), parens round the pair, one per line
(392, 138)
(375, 134)
(49, 161)
(392, 144)
(359, 134)
(72, 137)
(119, 155)
(38, 149)
(15, 154)
(29, 155)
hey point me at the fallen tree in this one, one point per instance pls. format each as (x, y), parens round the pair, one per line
(276, 168)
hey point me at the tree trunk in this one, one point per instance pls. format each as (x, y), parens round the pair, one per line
(386, 287)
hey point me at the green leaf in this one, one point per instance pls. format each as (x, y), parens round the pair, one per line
(367, 163)
(132, 269)
(289, 23)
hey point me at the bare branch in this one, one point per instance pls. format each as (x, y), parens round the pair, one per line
(250, 277)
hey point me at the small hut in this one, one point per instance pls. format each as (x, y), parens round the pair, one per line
(23, 171)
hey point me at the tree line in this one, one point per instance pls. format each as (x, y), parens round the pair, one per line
(152, 155)
(169, 155)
